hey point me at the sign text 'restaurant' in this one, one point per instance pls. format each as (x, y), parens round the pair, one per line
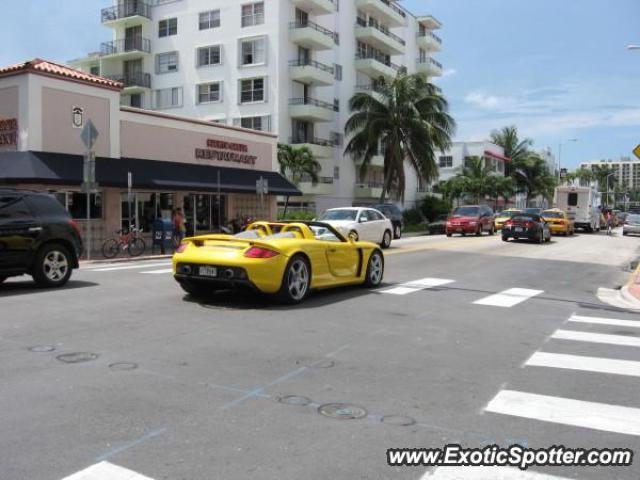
(226, 151)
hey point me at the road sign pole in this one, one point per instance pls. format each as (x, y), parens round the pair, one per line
(88, 136)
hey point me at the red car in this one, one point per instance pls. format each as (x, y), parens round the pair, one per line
(471, 219)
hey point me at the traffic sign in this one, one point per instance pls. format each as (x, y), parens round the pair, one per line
(262, 186)
(89, 135)
(636, 151)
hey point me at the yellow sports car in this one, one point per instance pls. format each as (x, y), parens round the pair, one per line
(559, 221)
(502, 217)
(285, 259)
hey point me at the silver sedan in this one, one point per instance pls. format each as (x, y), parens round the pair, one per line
(631, 224)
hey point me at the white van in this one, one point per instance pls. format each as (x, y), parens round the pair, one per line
(581, 204)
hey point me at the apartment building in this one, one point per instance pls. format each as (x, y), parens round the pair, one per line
(451, 162)
(283, 66)
(627, 171)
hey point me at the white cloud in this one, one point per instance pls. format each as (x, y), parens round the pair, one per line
(448, 72)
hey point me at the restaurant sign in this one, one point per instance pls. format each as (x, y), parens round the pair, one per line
(8, 132)
(227, 152)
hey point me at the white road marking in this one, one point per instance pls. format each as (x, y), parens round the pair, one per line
(486, 473)
(509, 298)
(566, 411)
(164, 270)
(585, 364)
(130, 267)
(605, 321)
(106, 471)
(417, 285)
(596, 338)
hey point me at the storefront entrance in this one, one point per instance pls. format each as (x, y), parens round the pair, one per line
(203, 213)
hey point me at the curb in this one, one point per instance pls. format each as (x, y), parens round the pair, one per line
(631, 290)
(124, 260)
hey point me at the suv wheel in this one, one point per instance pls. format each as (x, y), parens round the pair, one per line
(52, 267)
(397, 233)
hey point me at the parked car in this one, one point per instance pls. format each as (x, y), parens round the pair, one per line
(439, 225)
(360, 224)
(471, 219)
(394, 214)
(559, 221)
(527, 226)
(503, 216)
(631, 224)
(37, 237)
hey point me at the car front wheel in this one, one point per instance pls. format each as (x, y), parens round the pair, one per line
(52, 267)
(386, 239)
(375, 270)
(397, 232)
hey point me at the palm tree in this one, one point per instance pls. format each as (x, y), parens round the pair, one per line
(532, 177)
(500, 187)
(477, 176)
(298, 164)
(514, 148)
(584, 175)
(408, 119)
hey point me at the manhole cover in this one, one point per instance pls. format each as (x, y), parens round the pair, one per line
(294, 400)
(77, 357)
(123, 366)
(324, 364)
(342, 411)
(398, 420)
(42, 348)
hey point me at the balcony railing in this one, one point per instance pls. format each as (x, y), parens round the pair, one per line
(297, 140)
(306, 178)
(311, 63)
(125, 10)
(124, 45)
(431, 61)
(138, 79)
(314, 102)
(394, 7)
(432, 35)
(378, 58)
(370, 185)
(314, 26)
(363, 23)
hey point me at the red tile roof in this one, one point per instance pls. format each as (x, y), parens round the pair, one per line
(44, 67)
(495, 155)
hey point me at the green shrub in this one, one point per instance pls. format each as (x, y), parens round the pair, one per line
(412, 216)
(297, 215)
(431, 207)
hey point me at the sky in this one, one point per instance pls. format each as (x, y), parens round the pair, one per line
(557, 69)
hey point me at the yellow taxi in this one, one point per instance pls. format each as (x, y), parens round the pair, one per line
(505, 215)
(559, 221)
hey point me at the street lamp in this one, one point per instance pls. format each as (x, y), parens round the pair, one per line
(560, 154)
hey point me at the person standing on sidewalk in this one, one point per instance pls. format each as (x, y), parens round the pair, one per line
(179, 228)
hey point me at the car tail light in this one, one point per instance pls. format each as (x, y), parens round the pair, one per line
(528, 224)
(508, 223)
(182, 247)
(259, 252)
(74, 225)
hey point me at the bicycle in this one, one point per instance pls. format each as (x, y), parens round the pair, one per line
(125, 241)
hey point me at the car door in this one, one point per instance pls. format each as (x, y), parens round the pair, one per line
(379, 224)
(364, 228)
(19, 232)
(342, 257)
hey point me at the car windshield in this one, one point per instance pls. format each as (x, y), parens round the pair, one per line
(507, 214)
(532, 210)
(553, 214)
(633, 218)
(339, 215)
(526, 218)
(248, 234)
(465, 212)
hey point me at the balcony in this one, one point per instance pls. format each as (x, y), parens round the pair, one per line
(385, 10)
(376, 66)
(429, 41)
(377, 161)
(133, 82)
(311, 110)
(380, 38)
(311, 72)
(126, 48)
(368, 190)
(429, 67)
(312, 35)
(126, 14)
(319, 147)
(429, 22)
(323, 187)
(316, 7)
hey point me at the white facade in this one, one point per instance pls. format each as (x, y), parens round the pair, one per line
(451, 162)
(287, 66)
(627, 171)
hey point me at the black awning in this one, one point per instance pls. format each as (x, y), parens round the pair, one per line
(64, 169)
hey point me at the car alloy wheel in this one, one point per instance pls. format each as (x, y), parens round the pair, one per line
(296, 282)
(386, 239)
(52, 266)
(375, 269)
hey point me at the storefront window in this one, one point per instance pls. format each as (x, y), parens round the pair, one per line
(201, 211)
(144, 208)
(77, 205)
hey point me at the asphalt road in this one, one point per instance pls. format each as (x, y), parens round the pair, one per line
(231, 388)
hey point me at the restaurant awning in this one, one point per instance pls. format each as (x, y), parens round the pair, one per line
(63, 169)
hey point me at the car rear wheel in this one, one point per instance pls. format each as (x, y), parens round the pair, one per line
(397, 232)
(296, 281)
(52, 267)
(505, 239)
(479, 232)
(375, 270)
(492, 231)
(386, 239)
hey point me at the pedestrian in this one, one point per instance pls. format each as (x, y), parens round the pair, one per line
(609, 218)
(179, 228)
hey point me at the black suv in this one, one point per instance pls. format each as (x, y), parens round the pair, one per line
(394, 214)
(37, 237)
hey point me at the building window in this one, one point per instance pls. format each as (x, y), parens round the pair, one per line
(168, 98)
(255, 123)
(337, 138)
(210, 19)
(209, 92)
(336, 104)
(253, 14)
(208, 56)
(167, 62)
(253, 51)
(77, 205)
(252, 90)
(338, 71)
(168, 27)
(445, 161)
(336, 173)
(95, 70)
(135, 100)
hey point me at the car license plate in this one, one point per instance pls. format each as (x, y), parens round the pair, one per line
(207, 271)
(518, 229)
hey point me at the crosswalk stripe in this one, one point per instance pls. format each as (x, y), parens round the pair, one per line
(509, 298)
(596, 338)
(130, 267)
(605, 321)
(577, 413)
(417, 285)
(164, 270)
(585, 364)
(106, 471)
(486, 473)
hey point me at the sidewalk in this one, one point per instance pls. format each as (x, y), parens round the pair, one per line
(631, 291)
(99, 259)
